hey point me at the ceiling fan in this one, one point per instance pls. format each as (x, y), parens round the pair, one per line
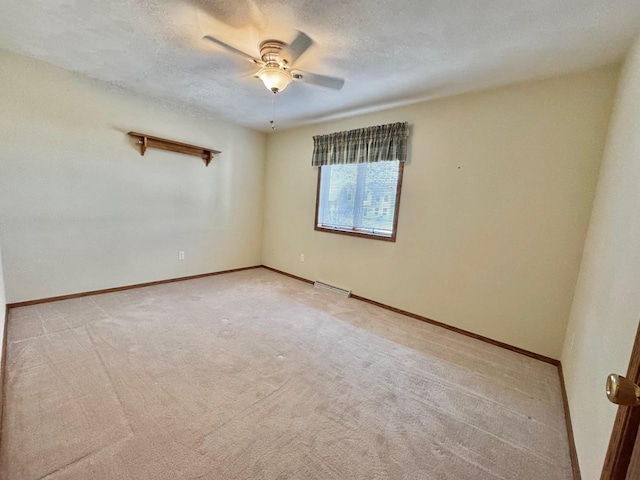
(276, 63)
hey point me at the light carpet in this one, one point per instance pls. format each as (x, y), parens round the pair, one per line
(253, 375)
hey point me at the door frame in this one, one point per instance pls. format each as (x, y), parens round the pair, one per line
(625, 427)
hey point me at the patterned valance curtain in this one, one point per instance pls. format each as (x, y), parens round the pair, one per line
(364, 145)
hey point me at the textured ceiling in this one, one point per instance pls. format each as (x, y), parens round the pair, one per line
(389, 52)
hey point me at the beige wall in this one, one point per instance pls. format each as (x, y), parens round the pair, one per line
(494, 210)
(80, 209)
(606, 308)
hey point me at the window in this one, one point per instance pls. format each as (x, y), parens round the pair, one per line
(359, 180)
(359, 199)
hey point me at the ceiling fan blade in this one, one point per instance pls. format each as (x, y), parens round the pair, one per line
(231, 49)
(299, 45)
(334, 83)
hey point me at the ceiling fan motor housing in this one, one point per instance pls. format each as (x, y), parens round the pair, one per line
(271, 51)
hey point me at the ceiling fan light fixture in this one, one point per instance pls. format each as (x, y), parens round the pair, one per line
(276, 79)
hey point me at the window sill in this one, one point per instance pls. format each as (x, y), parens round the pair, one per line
(356, 233)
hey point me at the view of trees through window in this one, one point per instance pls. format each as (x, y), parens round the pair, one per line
(359, 197)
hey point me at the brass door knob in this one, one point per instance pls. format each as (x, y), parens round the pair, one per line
(622, 391)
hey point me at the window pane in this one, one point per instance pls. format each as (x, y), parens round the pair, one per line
(359, 197)
(379, 203)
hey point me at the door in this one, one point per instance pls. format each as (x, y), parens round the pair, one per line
(623, 456)
(634, 465)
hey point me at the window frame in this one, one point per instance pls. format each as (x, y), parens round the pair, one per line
(355, 233)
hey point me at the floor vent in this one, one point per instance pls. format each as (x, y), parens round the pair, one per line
(340, 291)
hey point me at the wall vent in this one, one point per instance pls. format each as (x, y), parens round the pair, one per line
(340, 291)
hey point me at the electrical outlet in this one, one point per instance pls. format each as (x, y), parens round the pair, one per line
(181, 255)
(302, 257)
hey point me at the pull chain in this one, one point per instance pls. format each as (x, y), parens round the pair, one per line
(273, 110)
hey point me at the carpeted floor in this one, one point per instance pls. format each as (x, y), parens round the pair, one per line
(253, 375)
